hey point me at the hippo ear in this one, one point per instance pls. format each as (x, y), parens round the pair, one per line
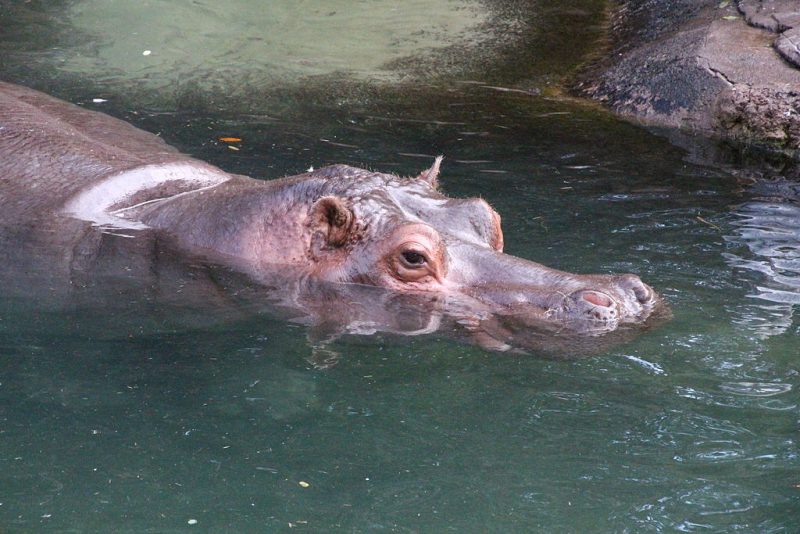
(332, 215)
(431, 175)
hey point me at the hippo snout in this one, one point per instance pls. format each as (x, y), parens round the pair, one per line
(641, 291)
(595, 305)
(592, 304)
(602, 307)
(636, 299)
(628, 300)
(587, 309)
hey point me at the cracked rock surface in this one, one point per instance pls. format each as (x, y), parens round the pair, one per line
(773, 15)
(704, 65)
(788, 45)
(778, 16)
(761, 113)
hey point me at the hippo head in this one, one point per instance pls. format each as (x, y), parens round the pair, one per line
(402, 234)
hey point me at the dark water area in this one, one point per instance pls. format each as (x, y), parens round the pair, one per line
(135, 414)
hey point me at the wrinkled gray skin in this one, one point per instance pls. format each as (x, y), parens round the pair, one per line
(344, 250)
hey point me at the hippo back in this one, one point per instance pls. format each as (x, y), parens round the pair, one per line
(50, 150)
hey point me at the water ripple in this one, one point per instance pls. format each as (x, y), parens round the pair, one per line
(769, 233)
(756, 389)
(651, 367)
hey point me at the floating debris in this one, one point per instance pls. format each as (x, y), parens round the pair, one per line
(267, 469)
(712, 225)
(532, 92)
(334, 143)
(415, 155)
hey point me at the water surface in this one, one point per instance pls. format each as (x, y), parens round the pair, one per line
(146, 418)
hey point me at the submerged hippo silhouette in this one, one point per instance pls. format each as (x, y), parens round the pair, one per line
(345, 249)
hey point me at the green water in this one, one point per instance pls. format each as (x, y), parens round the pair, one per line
(222, 425)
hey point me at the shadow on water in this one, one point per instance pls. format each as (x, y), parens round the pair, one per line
(145, 414)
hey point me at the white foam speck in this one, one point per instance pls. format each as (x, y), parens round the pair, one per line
(649, 366)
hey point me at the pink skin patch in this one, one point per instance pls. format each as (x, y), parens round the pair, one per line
(597, 299)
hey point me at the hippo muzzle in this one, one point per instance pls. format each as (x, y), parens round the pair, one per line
(535, 293)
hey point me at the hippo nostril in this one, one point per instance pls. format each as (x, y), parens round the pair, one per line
(593, 305)
(640, 290)
(643, 293)
(598, 299)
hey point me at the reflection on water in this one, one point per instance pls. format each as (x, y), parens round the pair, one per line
(171, 42)
(253, 56)
(770, 231)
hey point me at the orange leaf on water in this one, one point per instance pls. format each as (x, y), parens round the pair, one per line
(230, 139)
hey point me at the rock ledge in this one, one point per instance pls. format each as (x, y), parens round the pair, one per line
(715, 67)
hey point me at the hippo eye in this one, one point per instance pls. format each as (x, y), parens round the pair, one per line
(413, 259)
(419, 259)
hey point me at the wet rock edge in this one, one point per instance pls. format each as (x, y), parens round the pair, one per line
(708, 67)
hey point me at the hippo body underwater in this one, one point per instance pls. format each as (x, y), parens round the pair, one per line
(345, 249)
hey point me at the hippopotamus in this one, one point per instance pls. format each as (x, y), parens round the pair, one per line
(348, 250)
